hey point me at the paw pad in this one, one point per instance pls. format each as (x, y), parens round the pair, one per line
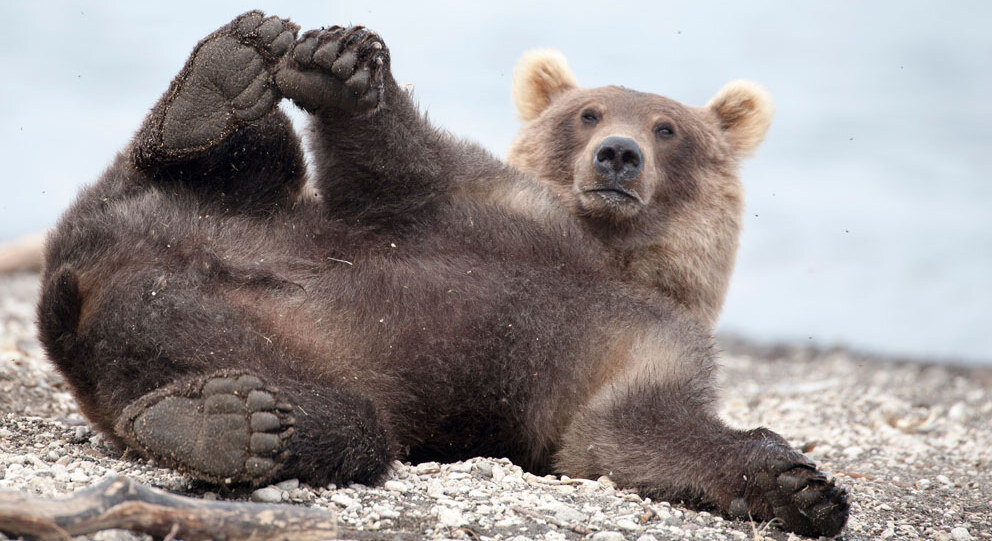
(340, 68)
(228, 426)
(226, 82)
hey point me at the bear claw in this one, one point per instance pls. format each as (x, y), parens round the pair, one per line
(790, 489)
(336, 68)
(224, 427)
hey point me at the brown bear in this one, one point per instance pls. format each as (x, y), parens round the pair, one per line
(647, 176)
(431, 304)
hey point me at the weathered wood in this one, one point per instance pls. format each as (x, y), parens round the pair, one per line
(121, 503)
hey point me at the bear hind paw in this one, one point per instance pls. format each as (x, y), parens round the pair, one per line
(226, 427)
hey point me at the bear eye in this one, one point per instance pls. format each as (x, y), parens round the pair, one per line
(665, 131)
(590, 117)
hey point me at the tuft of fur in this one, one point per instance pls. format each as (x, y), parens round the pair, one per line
(539, 76)
(745, 111)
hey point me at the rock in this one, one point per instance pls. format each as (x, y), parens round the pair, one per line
(460, 467)
(629, 525)
(396, 486)
(435, 489)
(498, 473)
(485, 468)
(566, 513)
(344, 500)
(608, 536)
(450, 517)
(961, 534)
(270, 494)
(80, 434)
(288, 484)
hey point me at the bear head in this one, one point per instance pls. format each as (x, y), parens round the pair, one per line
(655, 180)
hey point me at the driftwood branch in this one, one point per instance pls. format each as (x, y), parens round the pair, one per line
(121, 503)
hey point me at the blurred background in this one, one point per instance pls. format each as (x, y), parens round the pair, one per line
(869, 218)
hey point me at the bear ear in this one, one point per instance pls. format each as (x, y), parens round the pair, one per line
(539, 76)
(745, 112)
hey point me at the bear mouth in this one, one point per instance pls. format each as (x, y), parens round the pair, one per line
(615, 195)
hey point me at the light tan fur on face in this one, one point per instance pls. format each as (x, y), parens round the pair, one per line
(745, 112)
(539, 76)
(683, 247)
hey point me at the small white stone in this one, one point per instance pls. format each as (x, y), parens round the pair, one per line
(435, 489)
(608, 536)
(450, 517)
(289, 484)
(81, 433)
(485, 468)
(343, 500)
(396, 486)
(627, 524)
(958, 412)
(943, 479)
(961, 534)
(647, 537)
(498, 473)
(460, 467)
(79, 477)
(267, 495)
(606, 482)
(385, 511)
(565, 513)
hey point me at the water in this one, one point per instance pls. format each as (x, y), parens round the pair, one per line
(868, 221)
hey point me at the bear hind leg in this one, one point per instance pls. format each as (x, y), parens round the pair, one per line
(234, 426)
(217, 132)
(225, 426)
(225, 84)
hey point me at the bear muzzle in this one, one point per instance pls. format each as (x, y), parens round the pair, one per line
(617, 161)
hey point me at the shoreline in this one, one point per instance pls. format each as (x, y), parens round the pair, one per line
(911, 439)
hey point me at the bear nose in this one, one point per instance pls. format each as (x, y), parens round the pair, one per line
(618, 159)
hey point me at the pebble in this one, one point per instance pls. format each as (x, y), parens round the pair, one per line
(435, 489)
(961, 534)
(498, 473)
(288, 484)
(460, 467)
(485, 468)
(270, 494)
(396, 486)
(450, 517)
(627, 524)
(566, 513)
(608, 536)
(343, 500)
(80, 434)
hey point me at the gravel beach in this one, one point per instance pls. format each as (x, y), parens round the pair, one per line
(912, 441)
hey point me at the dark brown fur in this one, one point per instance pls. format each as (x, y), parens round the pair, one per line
(407, 314)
